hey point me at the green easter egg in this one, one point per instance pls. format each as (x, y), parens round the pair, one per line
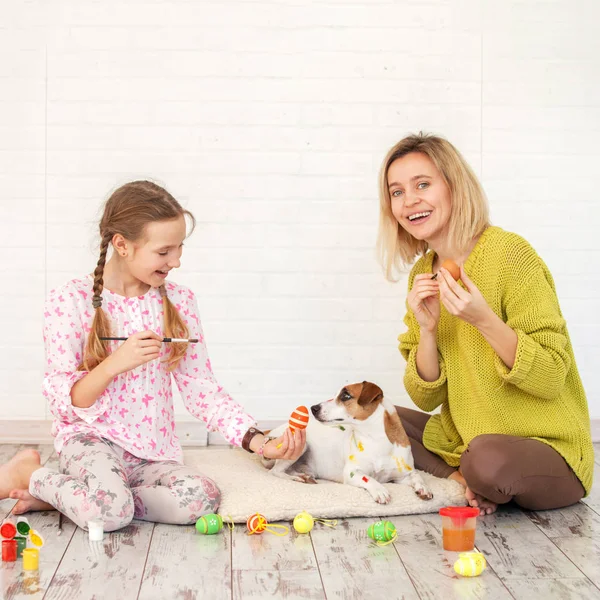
(382, 531)
(209, 524)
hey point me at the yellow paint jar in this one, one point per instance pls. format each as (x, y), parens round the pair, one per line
(31, 559)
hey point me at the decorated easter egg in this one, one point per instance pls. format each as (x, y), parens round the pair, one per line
(303, 522)
(470, 564)
(209, 524)
(256, 523)
(452, 268)
(382, 531)
(299, 418)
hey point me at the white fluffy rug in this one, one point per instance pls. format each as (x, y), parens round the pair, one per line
(247, 487)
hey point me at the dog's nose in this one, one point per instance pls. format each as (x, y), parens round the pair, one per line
(315, 409)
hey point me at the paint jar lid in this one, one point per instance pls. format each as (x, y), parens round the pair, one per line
(465, 512)
(8, 530)
(459, 514)
(36, 538)
(23, 526)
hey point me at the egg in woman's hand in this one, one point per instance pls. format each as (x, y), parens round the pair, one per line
(451, 267)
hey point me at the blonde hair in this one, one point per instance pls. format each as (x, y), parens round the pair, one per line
(127, 212)
(396, 248)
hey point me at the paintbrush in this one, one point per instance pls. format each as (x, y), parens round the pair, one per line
(175, 340)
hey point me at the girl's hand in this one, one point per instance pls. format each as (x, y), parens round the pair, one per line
(468, 305)
(139, 348)
(424, 302)
(292, 445)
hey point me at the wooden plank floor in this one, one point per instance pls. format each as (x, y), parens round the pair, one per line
(547, 554)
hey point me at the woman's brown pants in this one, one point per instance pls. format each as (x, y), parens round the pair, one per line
(501, 468)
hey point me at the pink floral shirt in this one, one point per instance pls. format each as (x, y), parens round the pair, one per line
(136, 409)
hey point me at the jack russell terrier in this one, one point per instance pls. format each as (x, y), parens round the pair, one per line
(355, 438)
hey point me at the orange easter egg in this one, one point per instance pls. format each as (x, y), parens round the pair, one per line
(452, 268)
(299, 418)
(256, 523)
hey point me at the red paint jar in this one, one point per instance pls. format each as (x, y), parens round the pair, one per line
(9, 550)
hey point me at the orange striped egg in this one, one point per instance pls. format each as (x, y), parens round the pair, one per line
(299, 418)
(256, 523)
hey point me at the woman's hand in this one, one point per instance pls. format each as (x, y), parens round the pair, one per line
(292, 445)
(138, 349)
(424, 302)
(468, 305)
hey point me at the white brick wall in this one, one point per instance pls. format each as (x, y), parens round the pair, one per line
(269, 120)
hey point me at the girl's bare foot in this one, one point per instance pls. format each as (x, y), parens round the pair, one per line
(27, 503)
(485, 506)
(16, 473)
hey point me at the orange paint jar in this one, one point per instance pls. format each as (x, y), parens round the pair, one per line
(458, 528)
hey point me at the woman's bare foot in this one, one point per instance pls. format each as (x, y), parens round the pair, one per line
(27, 503)
(16, 473)
(485, 506)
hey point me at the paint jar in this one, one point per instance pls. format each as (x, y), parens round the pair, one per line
(458, 527)
(96, 530)
(9, 550)
(23, 526)
(31, 559)
(8, 530)
(21, 545)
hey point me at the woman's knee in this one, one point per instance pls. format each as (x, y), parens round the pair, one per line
(487, 461)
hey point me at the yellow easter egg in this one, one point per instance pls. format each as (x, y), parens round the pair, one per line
(470, 564)
(303, 522)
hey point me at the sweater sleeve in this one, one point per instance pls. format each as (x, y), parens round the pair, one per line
(64, 339)
(542, 358)
(202, 395)
(427, 395)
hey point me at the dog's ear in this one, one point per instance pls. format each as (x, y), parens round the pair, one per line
(369, 393)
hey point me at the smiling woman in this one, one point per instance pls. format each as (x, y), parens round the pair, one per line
(493, 350)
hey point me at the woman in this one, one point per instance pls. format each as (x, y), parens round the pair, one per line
(492, 350)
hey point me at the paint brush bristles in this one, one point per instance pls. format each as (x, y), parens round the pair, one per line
(174, 340)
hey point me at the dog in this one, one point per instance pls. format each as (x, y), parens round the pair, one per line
(355, 438)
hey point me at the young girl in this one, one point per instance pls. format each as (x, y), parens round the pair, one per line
(112, 402)
(492, 351)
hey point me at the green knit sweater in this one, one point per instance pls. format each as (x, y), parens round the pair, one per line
(541, 397)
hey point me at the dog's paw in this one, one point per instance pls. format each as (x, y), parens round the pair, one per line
(381, 495)
(303, 478)
(424, 494)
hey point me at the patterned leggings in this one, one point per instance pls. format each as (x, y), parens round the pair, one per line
(99, 480)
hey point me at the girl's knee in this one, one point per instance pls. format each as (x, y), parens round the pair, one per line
(204, 497)
(114, 510)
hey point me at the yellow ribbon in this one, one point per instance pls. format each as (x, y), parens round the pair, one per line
(394, 538)
(327, 522)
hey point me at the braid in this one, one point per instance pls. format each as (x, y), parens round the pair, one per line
(96, 350)
(99, 271)
(174, 326)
